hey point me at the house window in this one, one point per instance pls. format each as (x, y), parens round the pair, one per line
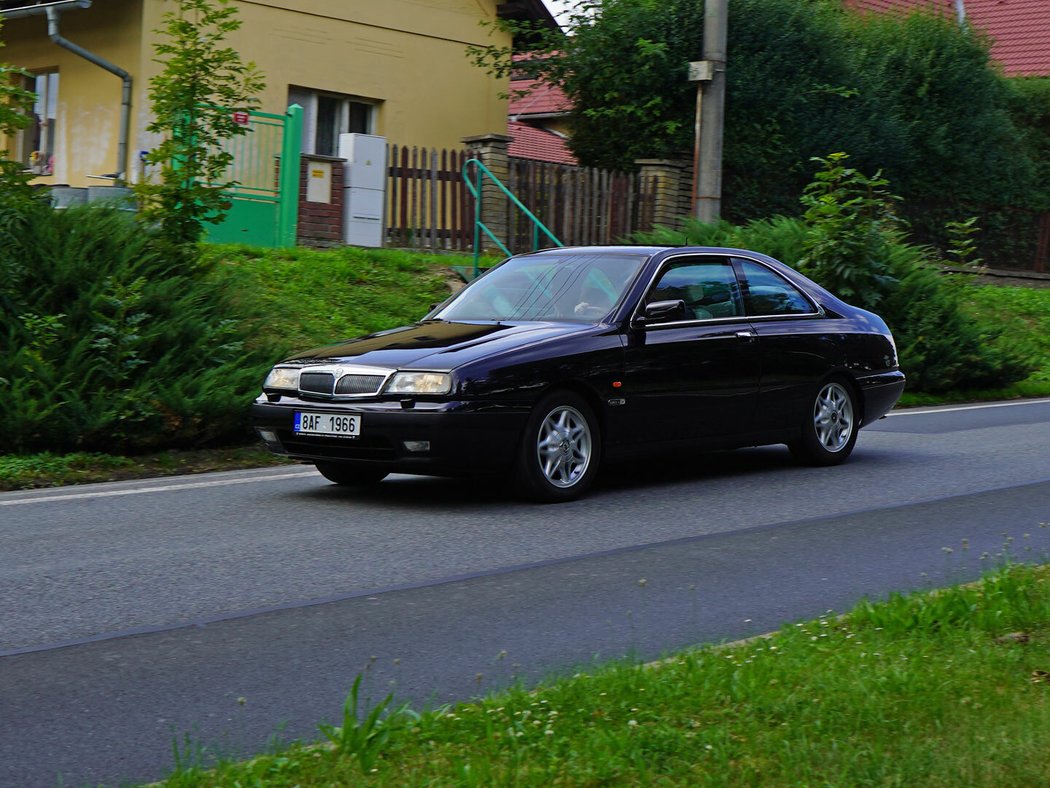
(37, 140)
(327, 115)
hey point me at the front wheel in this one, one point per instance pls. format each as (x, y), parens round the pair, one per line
(829, 429)
(560, 449)
(350, 475)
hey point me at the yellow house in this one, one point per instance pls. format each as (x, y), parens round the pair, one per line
(394, 68)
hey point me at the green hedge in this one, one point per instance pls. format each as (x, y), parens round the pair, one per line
(112, 341)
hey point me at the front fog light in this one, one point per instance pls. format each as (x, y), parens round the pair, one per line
(416, 446)
(268, 435)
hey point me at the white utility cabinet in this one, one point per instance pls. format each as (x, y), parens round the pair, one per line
(364, 188)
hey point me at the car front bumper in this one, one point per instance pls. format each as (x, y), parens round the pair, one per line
(460, 438)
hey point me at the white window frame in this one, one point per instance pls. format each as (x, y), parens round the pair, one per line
(310, 100)
(36, 142)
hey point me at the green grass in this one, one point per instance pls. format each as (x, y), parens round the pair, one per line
(1017, 317)
(946, 688)
(25, 472)
(301, 298)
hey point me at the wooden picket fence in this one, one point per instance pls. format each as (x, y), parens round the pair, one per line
(429, 206)
(580, 205)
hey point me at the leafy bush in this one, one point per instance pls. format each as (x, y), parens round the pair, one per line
(850, 220)
(940, 346)
(113, 344)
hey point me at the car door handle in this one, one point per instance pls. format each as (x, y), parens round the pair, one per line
(746, 336)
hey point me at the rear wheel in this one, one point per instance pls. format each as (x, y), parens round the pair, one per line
(829, 429)
(350, 475)
(560, 449)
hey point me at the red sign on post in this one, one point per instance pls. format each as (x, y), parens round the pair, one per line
(241, 118)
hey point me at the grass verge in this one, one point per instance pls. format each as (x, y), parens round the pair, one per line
(943, 688)
(26, 472)
(300, 298)
(1017, 317)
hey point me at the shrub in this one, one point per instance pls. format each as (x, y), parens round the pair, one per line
(850, 221)
(114, 344)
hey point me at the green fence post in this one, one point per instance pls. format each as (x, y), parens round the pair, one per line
(291, 145)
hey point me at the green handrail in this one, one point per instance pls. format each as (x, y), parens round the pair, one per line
(474, 186)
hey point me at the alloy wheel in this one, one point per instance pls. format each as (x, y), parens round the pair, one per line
(833, 417)
(564, 446)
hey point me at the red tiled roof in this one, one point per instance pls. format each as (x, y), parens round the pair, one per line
(530, 97)
(529, 142)
(541, 99)
(1019, 29)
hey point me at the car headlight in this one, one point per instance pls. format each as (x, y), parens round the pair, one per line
(420, 383)
(286, 378)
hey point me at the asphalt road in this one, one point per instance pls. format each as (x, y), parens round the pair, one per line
(215, 612)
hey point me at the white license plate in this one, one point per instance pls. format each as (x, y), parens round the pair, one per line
(334, 425)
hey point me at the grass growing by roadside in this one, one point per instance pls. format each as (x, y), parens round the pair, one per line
(1021, 315)
(26, 472)
(943, 688)
(302, 298)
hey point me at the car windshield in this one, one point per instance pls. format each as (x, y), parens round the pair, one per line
(572, 286)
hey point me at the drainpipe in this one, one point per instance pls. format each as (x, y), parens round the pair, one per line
(960, 12)
(125, 103)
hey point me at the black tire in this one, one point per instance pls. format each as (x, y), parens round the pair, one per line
(560, 449)
(350, 475)
(829, 428)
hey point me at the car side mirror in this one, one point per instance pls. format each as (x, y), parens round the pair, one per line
(663, 311)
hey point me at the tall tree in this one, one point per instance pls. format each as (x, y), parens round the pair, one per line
(912, 96)
(16, 105)
(202, 84)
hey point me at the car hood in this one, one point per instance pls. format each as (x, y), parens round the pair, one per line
(438, 345)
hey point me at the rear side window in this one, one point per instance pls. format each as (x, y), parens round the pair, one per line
(768, 293)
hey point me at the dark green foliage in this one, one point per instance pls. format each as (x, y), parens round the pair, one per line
(1029, 107)
(940, 347)
(111, 344)
(963, 155)
(793, 94)
(629, 74)
(936, 82)
(851, 219)
(914, 97)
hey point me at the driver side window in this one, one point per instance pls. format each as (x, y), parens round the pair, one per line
(707, 287)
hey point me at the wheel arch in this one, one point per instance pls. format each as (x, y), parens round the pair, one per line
(847, 377)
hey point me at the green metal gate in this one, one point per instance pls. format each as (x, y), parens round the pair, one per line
(264, 208)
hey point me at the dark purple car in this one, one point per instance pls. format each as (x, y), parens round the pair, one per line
(555, 361)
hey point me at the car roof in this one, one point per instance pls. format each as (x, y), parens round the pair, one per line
(644, 249)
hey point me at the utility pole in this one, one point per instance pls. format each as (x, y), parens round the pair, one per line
(710, 77)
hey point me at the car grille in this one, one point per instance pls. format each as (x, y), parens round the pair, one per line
(359, 384)
(325, 384)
